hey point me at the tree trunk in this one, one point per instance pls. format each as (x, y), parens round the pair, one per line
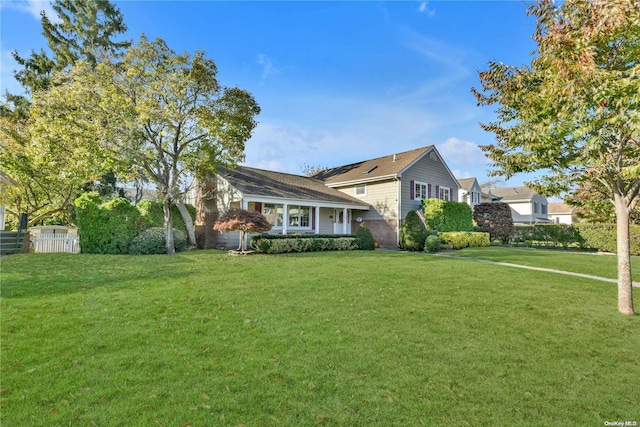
(168, 225)
(625, 283)
(188, 221)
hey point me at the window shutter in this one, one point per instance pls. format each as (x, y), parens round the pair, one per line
(428, 191)
(437, 191)
(258, 207)
(412, 191)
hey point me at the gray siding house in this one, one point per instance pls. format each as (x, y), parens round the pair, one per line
(378, 191)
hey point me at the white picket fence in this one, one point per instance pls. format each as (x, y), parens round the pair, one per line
(56, 242)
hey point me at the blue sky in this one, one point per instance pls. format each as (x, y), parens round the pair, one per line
(338, 82)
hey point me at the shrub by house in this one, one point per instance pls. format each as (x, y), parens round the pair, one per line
(444, 215)
(495, 219)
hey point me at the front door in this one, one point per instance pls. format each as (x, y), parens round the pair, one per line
(338, 221)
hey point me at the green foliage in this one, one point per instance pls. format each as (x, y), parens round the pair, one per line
(603, 237)
(548, 235)
(364, 238)
(444, 215)
(106, 228)
(573, 112)
(153, 214)
(464, 239)
(153, 241)
(276, 244)
(432, 244)
(495, 219)
(412, 233)
(93, 225)
(153, 111)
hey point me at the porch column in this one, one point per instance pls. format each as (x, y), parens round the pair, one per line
(317, 221)
(285, 218)
(345, 219)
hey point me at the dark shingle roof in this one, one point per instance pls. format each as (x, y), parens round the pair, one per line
(392, 164)
(259, 182)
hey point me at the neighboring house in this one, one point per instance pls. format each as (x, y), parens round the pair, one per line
(379, 192)
(470, 192)
(561, 213)
(527, 207)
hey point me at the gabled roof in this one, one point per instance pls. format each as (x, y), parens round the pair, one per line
(264, 183)
(511, 194)
(371, 170)
(559, 208)
(467, 183)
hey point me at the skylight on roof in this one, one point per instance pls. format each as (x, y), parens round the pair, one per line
(371, 169)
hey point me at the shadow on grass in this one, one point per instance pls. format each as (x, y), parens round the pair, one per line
(24, 275)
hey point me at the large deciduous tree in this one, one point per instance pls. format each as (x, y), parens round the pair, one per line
(47, 181)
(156, 111)
(573, 112)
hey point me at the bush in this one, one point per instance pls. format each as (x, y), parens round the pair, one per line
(603, 237)
(464, 239)
(495, 219)
(278, 243)
(443, 215)
(548, 235)
(412, 233)
(432, 244)
(153, 241)
(364, 238)
(153, 214)
(106, 228)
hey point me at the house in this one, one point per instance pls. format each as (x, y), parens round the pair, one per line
(292, 203)
(561, 213)
(527, 207)
(471, 193)
(378, 191)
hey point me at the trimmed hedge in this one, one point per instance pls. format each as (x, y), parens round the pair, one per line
(597, 236)
(364, 238)
(603, 237)
(432, 244)
(464, 239)
(412, 233)
(282, 243)
(548, 235)
(444, 215)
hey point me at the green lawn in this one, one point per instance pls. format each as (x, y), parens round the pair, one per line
(586, 263)
(334, 339)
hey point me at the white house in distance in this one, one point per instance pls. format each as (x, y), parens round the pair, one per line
(470, 192)
(561, 213)
(527, 207)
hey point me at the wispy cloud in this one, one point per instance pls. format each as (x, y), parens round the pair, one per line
(268, 68)
(32, 7)
(424, 8)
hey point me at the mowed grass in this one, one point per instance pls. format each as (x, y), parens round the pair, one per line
(603, 265)
(333, 339)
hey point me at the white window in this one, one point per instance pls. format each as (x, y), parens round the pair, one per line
(420, 190)
(273, 213)
(445, 193)
(299, 216)
(361, 190)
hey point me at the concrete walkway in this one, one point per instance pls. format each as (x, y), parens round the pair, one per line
(527, 267)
